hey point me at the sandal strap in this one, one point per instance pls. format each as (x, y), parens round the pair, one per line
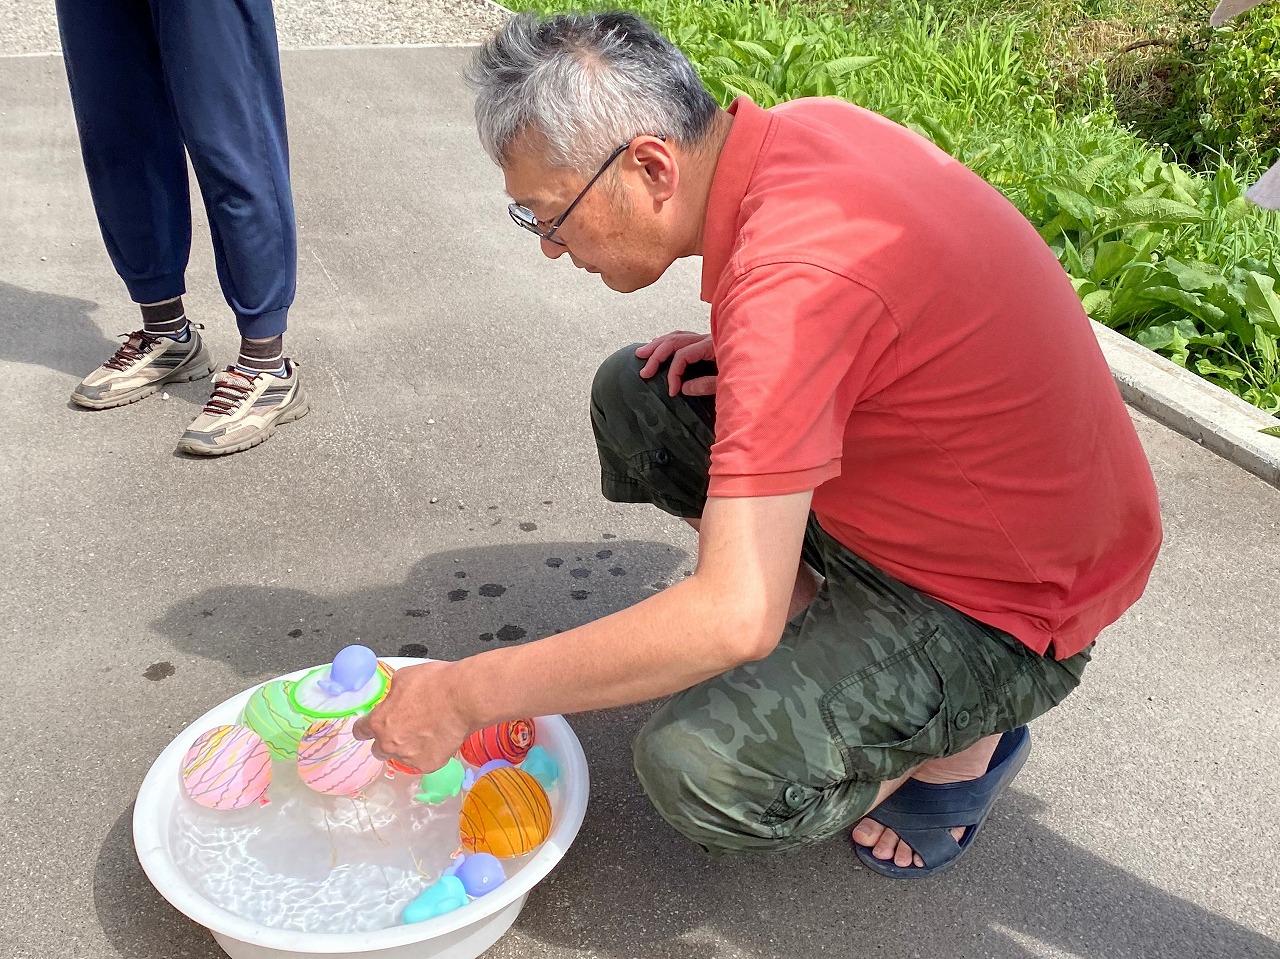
(935, 846)
(923, 814)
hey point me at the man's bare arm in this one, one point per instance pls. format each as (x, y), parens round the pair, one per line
(731, 611)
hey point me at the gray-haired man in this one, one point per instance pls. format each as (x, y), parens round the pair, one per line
(905, 550)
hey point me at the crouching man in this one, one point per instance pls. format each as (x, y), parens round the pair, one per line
(919, 497)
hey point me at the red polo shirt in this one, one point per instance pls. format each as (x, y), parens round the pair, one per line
(892, 334)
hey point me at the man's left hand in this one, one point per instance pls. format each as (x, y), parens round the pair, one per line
(417, 724)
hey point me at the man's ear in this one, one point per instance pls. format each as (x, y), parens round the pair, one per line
(659, 169)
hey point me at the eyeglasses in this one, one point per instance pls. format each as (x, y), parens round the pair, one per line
(523, 217)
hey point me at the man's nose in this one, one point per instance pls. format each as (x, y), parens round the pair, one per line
(551, 249)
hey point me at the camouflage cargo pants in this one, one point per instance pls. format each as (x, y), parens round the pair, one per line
(871, 680)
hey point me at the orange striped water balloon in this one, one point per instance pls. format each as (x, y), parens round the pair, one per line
(510, 740)
(506, 813)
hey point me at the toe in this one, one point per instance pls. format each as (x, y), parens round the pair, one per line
(902, 856)
(867, 832)
(887, 845)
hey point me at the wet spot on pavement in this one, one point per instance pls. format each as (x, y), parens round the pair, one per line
(580, 573)
(295, 633)
(492, 589)
(457, 595)
(604, 554)
(509, 633)
(528, 527)
(416, 650)
(416, 613)
(555, 562)
(580, 594)
(158, 671)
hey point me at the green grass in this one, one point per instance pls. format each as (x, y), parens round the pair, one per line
(1041, 97)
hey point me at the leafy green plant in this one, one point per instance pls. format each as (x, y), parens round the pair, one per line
(770, 71)
(1223, 323)
(1176, 259)
(1209, 94)
(1239, 87)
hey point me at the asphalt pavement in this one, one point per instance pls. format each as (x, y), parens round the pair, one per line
(449, 448)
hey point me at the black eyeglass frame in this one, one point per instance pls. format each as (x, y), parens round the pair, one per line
(523, 217)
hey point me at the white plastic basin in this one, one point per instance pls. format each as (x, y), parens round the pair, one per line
(462, 934)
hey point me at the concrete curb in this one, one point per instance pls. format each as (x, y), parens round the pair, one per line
(1194, 407)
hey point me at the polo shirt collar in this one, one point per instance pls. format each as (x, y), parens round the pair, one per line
(734, 168)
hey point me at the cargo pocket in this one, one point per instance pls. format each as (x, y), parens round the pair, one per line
(891, 716)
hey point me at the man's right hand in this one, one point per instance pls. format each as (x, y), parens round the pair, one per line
(682, 348)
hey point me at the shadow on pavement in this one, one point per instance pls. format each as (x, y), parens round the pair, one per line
(136, 920)
(450, 605)
(46, 329)
(630, 888)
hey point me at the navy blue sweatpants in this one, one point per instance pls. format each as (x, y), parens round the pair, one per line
(150, 77)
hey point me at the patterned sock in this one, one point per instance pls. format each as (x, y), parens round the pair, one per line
(166, 319)
(261, 356)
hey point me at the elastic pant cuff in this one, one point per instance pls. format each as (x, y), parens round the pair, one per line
(156, 288)
(620, 489)
(265, 325)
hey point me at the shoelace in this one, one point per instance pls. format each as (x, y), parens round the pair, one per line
(136, 345)
(231, 387)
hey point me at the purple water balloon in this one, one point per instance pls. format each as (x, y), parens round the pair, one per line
(480, 873)
(491, 765)
(352, 668)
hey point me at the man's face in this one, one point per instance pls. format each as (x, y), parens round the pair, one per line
(616, 229)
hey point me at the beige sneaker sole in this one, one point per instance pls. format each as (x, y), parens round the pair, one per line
(197, 368)
(295, 409)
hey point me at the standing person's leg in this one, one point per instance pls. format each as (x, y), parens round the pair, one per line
(137, 172)
(222, 65)
(873, 682)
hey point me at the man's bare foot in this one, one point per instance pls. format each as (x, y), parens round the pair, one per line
(962, 767)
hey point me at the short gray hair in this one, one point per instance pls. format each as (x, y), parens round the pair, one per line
(588, 83)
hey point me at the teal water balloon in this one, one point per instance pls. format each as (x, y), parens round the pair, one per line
(444, 895)
(539, 764)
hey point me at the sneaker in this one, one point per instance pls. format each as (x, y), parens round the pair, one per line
(142, 364)
(244, 410)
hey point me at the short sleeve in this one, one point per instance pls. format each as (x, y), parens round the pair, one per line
(796, 346)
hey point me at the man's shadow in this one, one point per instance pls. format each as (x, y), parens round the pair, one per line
(629, 887)
(50, 330)
(450, 605)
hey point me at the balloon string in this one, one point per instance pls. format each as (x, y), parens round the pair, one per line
(417, 863)
(373, 828)
(333, 849)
